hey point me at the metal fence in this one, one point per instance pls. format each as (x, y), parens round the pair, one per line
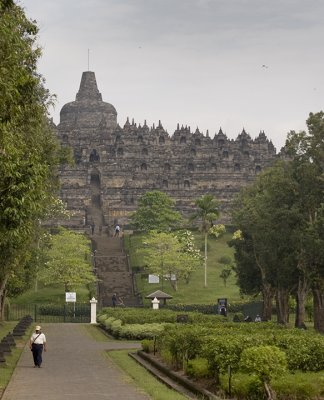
(69, 312)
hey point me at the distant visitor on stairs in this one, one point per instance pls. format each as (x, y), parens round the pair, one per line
(117, 230)
(114, 300)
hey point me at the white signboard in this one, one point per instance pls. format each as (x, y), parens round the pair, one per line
(172, 277)
(70, 297)
(153, 279)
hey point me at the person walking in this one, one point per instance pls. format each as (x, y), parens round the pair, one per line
(117, 230)
(114, 300)
(37, 344)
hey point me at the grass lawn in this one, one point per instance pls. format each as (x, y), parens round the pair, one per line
(96, 333)
(50, 294)
(194, 292)
(8, 367)
(134, 372)
(141, 378)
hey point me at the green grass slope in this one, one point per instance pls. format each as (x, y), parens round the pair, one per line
(194, 292)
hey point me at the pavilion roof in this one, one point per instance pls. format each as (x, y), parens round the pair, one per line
(159, 295)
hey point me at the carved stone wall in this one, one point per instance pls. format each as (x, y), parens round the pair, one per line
(114, 166)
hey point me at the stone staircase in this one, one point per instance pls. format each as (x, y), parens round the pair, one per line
(110, 264)
(112, 270)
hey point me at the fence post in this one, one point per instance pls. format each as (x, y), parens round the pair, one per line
(35, 313)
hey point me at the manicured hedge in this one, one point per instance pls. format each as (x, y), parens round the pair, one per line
(209, 346)
(148, 315)
(223, 344)
(68, 310)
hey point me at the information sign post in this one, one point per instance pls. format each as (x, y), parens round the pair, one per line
(70, 297)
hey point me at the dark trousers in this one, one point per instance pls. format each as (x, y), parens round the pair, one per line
(37, 350)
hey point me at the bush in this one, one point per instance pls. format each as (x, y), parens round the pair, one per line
(140, 331)
(183, 342)
(166, 356)
(66, 309)
(243, 386)
(304, 351)
(148, 345)
(299, 386)
(226, 260)
(264, 361)
(200, 308)
(101, 318)
(116, 327)
(238, 317)
(198, 368)
(140, 315)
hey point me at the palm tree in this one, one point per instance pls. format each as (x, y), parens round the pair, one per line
(207, 212)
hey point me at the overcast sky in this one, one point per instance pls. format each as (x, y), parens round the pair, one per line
(256, 64)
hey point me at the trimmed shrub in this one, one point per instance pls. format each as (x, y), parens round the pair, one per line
(101, 318)
(243, 386)
(184, 342)
(140, 331)
(264, 361)
(147, 345)
(66, 309)
(198, 368)
(116, 327)
(299, 386)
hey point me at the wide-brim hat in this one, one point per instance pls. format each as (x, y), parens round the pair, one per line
(38, 328)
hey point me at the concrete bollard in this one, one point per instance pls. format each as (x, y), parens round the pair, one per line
(155, 303)
(93, 318)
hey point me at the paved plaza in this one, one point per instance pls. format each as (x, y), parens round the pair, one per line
(74, 368)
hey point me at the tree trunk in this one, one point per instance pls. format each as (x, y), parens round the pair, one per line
(205, 261)
(3, 283)
(318, 302)
(174, 284)
(268, 294)
(267, 290)
(301, 297)
(269, 392)
(282, 302)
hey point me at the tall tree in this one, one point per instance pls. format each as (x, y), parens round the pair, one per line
(28, 149)
(68, 260)
(207, 212)
(282, 216)
(156, 211)
(268, 219)
(169, 256)
(307, 152)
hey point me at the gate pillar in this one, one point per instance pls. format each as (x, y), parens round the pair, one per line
(93, 319)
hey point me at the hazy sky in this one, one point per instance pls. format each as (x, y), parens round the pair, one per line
(256, 64)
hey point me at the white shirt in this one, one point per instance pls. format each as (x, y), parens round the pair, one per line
(41, 339)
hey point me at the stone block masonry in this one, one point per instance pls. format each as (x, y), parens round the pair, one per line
(115, 166)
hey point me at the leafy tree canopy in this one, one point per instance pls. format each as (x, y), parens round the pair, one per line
(207, 211)
(171, 256)
(69, 260)
(156, 212)
(29, 152)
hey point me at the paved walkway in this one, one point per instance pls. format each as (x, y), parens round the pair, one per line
(74, 368)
